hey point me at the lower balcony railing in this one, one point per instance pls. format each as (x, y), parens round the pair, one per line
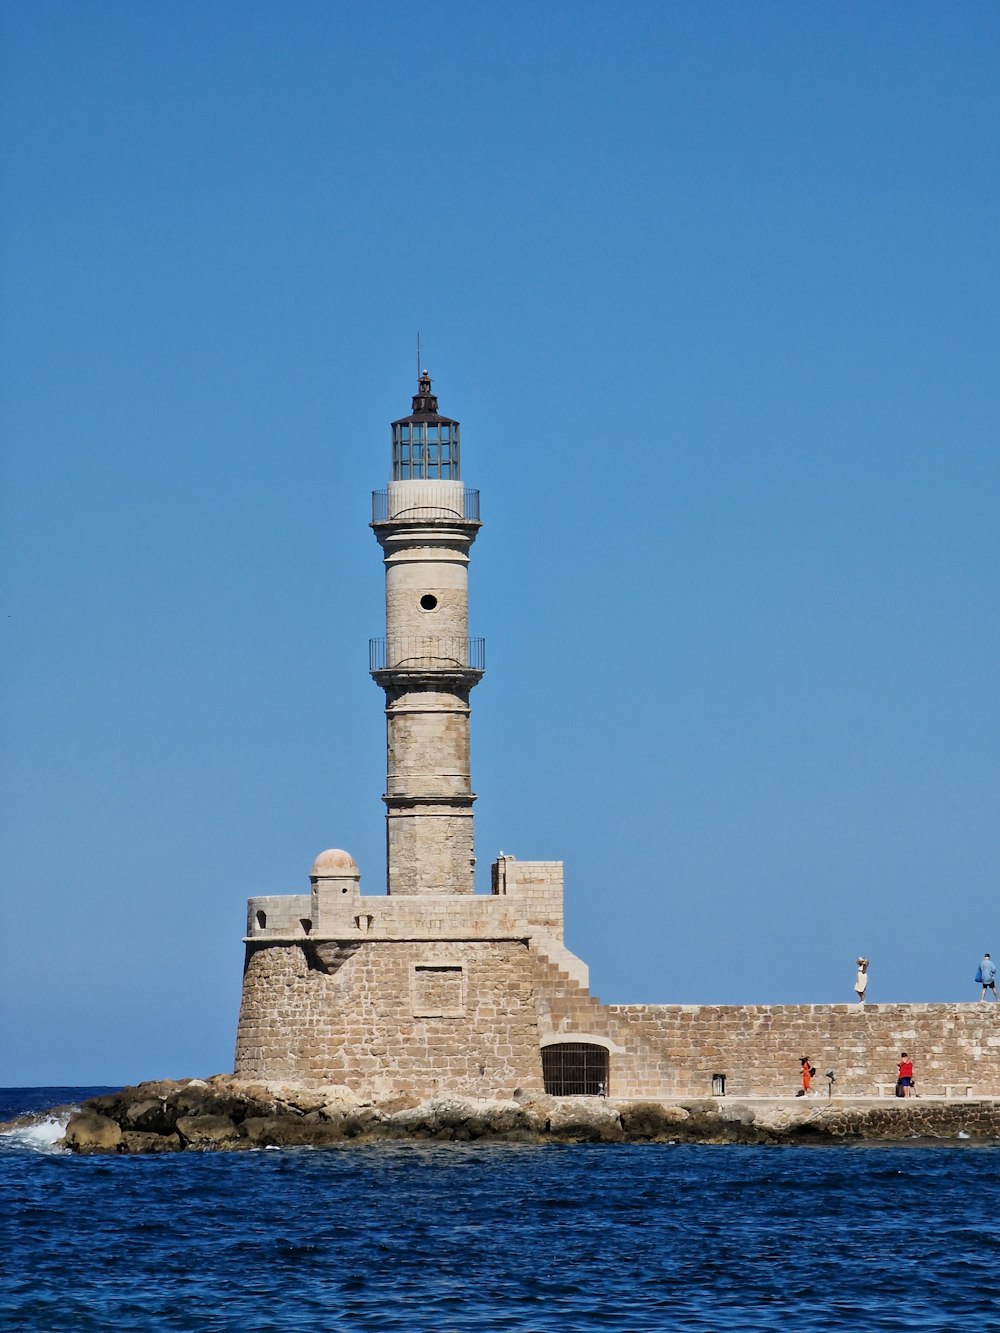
(422, 653)
(425, 501)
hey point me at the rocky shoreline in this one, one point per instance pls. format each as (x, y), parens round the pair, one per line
(224, 1114)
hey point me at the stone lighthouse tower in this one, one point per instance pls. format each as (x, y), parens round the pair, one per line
(433, 989)
(425, 522)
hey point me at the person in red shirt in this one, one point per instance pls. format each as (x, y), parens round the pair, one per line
(806, 1076)
(906, 1074)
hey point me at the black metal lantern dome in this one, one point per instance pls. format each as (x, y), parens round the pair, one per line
(425, 444)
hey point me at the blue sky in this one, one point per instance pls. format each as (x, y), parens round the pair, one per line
(713, 289)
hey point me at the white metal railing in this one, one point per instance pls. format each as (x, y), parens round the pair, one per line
(426, 653)
(426, 500)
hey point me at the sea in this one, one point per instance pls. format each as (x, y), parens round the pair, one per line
(494, 1237)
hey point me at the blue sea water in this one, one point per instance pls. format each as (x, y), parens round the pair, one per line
(497, 1237)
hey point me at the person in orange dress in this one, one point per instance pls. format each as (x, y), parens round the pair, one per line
(807, 1073)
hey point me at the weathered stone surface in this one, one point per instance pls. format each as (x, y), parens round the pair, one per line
(737, 1113)
(199, 1131)
(525, 1119)
(150, 1115)
(499, 1119)
(89, 1132)
(302, 1100)
(135, 1141)
(337, 1110)
(195, 1100)
(585, 1119)
(650, 1120)
(290, 1131)
(403, 1101)
(378, 1025)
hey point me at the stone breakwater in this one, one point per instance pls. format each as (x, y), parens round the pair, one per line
(226, 1114)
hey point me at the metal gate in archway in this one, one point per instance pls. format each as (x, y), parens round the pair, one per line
(575, 1069)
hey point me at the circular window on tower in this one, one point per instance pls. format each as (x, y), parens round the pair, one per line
(428, 602)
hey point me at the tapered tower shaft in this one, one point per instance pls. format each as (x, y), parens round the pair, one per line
(426, 521)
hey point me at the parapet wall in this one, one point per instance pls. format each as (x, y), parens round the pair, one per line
(527, 899)
(535, 888)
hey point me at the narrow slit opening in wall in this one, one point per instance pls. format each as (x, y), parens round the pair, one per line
(261, 920)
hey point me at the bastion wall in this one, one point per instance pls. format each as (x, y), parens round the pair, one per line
(460, 994)
(388, 1017)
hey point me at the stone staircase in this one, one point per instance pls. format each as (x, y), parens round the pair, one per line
(564, 1006)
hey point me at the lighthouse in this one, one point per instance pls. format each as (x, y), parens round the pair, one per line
(431, 988)
(425, 521)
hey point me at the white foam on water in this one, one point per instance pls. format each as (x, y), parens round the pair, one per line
(39, 1135)
(962, 1134)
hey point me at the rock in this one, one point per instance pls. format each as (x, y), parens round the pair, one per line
(738, 1113)
(150, 1116)
(586, 1120)
(364, 1121)
(461, 1119)
(301, 1100)
(534, 1115)
(418, 1122)
(206, 1131)
(88, 1132)
(262, 1130)
(337, 1110)
(133, 1141)
(649, 1120)
(286, 1131)
(197, 1099)
(225, 1113)
(452, 1112)
(309, 1100)
(340, 1092)
(499, 1119)
(403, 1101)
(111, 1104)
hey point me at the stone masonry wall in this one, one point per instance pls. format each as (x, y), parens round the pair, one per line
(677, 1048)
(427, 744)
(386, 1017)
(430, 850)
(535, 889)
(669, 1051)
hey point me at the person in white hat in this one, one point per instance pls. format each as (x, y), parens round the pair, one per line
(861, 983)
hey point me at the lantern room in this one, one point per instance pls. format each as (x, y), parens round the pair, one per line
(425, 444)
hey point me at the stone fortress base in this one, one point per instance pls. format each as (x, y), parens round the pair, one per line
(477, 996)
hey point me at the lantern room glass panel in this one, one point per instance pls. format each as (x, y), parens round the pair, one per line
(425, 451)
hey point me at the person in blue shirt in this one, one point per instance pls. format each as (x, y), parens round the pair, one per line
(988, 976)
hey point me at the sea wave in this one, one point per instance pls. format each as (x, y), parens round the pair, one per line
(39, 1133)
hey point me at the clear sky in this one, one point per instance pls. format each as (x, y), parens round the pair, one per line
(713, 290)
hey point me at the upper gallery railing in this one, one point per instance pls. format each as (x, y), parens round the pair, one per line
(426, 653)
(430, 501)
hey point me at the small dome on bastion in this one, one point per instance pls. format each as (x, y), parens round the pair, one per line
(334, 862)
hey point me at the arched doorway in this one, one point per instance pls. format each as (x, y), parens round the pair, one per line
(575, 1069)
